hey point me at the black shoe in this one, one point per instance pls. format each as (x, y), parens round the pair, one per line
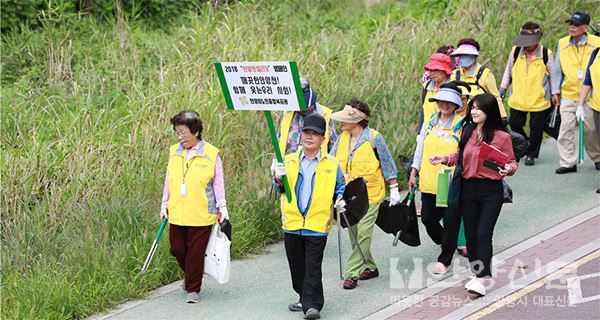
(562, 170)
(296, 306)
(529, 161)
(597, 165)
(312, 313)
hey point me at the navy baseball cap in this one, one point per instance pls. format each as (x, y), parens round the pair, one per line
(579, 18)
(314, 122)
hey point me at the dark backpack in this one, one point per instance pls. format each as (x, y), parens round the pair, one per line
(544, 54)
(477, 77)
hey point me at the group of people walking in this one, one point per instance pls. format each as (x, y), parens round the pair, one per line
(462, 112)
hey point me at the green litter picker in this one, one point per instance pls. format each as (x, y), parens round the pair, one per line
(154, 246)
(581, 147)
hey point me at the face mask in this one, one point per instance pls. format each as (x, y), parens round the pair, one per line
(466, 61)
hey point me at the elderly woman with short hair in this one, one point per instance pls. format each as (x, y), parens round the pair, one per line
(193, 198)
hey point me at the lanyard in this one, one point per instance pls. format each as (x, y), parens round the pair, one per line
(187, 168)
(577, 55)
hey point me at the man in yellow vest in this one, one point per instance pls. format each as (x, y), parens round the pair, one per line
(291, 123)
(592, 82)
(315, 179)
(528, 73)
(572, 54)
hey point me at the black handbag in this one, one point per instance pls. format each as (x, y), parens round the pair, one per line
(552, 125)
(507, 193)
(520, 145)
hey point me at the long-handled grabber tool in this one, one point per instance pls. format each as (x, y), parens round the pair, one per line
(154, 246)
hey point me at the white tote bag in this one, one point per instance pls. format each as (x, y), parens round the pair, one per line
(217, 262)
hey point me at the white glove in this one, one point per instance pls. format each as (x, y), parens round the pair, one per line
(340, 205)
(579, 113)
(223, 214)
(273, 163)
(394, 196)
(163, 214)
(280, 170)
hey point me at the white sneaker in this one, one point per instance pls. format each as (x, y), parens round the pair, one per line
(193, 297)
(476, 287)
(440, 268)
(469, 283)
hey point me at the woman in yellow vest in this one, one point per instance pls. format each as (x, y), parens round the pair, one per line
(592, 83)
(193, 198)
(440, 135)
(478, 76)
(362, 152)
(439, 68)
(528, 72)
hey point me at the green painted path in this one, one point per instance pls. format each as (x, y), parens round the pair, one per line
(260, 287)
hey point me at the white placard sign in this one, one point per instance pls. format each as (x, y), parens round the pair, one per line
(272, 86)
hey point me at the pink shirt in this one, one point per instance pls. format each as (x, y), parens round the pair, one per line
(218, 182)
(473, 167)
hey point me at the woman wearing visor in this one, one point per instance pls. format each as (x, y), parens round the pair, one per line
(480, 77)
(528, 72)
(439, 135)
(362, 152)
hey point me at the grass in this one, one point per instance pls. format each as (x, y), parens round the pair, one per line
(85, 133)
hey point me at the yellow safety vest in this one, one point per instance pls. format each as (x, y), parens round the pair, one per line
(429, 107)
(574, 59)
(319, 217)
(192, 209)
(439, 141)
(595, 73)
(459, 74)
(286, 122)
(364, 164)
(530, 85)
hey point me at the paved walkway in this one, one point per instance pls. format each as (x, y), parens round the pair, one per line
(550, 206)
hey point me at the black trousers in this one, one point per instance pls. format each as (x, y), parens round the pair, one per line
(305, 255)
(480, 205)
(446, 235)
(537, 120)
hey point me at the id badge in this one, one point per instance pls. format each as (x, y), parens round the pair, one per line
(182, 189)
(579, 74)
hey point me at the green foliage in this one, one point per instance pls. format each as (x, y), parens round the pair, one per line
(84, 131)
(16, 12)
(155, 13)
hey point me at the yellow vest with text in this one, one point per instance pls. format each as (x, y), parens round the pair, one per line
(193, 208)
(475, 89)
(437, 142)
(319, 217)
(595, 73)
(429, 107)
(286, 123)
(572, 60)
(364, 164)
(528, 91)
